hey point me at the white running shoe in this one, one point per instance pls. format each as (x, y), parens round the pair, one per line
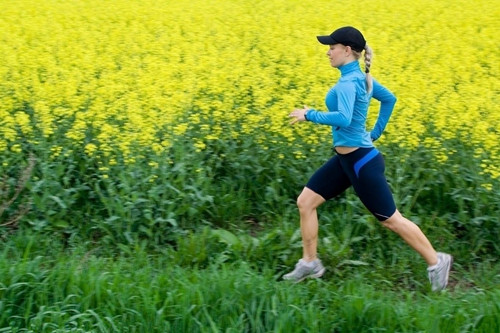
(439, 273)
(303, 269)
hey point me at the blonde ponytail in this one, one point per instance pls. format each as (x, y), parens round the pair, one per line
(368, 63)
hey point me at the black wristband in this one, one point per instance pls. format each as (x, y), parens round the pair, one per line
(305, 115)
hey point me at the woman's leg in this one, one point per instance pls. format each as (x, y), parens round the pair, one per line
(439, 263)
(367, 176)
(412, 234)
(368, 179)
(326, 183)
(307, 202)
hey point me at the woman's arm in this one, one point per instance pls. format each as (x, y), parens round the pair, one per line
(342, 115)
(387, 102)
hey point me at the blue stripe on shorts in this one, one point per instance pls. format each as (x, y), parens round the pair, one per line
(367, 158)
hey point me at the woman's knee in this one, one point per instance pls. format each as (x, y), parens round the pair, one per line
(309, 200)
(302, 201)
(394, 221)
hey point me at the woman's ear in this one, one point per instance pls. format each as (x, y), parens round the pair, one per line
(348, 51)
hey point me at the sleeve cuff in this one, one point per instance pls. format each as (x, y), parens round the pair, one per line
(309, 115)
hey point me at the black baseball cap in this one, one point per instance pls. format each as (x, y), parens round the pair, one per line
(347, 36)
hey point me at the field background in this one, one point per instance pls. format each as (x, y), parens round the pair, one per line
(149, 172)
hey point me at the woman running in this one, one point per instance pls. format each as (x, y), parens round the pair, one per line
(357, 162)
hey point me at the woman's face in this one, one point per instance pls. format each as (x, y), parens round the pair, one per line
(338, 55)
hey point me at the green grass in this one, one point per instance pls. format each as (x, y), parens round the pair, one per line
(84, 290)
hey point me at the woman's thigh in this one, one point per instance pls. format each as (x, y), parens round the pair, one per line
(329, 180)
(373, 190)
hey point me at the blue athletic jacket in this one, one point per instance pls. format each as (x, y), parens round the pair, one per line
(347, 104)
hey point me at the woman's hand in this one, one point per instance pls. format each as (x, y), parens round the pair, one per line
(298, 114)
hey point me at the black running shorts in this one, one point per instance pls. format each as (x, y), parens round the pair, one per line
(364, 170)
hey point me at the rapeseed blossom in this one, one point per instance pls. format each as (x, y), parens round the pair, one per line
(115, 76)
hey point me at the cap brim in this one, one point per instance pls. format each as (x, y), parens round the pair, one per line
(326, 40)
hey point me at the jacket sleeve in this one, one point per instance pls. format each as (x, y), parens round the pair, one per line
(387, 102)
(340, 113)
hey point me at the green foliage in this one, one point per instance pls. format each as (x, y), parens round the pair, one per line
(197, 241)
(243, 186)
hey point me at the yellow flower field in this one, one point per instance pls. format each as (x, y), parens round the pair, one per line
(139, 73)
